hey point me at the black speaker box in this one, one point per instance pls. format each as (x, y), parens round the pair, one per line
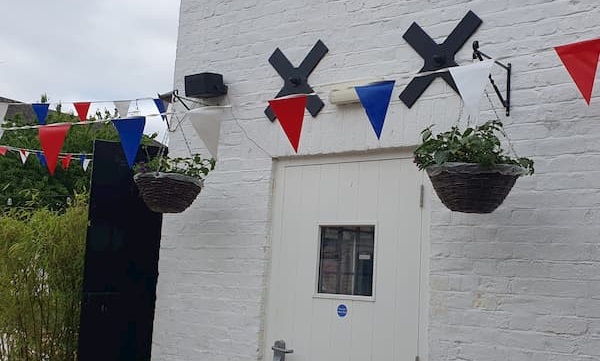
(204, 85)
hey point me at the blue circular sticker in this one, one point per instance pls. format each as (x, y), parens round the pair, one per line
(342, 310)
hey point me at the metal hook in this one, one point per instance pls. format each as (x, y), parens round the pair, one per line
(478, 54)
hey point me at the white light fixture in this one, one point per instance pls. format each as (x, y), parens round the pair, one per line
(344, 93)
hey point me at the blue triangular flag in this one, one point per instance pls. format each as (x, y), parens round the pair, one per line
(375, 98)
(130, 131)
(82, 158)
(41, 158)
(41, 111)
(160, 105)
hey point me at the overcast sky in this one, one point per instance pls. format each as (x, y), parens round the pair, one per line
(86, 50)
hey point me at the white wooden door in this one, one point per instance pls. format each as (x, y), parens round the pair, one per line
(383, 192)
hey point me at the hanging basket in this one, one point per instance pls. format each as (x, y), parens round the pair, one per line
(167, 192)
(470, 188)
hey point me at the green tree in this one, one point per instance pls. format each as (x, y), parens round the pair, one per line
(32, 181)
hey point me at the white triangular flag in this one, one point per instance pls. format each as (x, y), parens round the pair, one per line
(86, 163)
(24, 154)
(3, 109)
(122, 107)
(207, 123)
(471, 81)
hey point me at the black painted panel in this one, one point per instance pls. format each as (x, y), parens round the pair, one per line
(121, 263)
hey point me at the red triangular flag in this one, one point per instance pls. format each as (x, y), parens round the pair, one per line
(3, 150)
(290, 112)
(581, 61)
(82, 110)
(52, 138)
(66, 160)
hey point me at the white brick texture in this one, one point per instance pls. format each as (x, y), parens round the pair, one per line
(519, 284)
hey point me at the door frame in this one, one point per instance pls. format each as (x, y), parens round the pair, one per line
(279, 164)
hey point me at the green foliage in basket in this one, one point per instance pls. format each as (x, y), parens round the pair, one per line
(194, 166)
(478, 145)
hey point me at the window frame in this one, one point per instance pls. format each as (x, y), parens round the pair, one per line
(334, 296)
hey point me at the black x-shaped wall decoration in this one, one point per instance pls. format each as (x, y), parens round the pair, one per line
(436, 56)
(295, 79)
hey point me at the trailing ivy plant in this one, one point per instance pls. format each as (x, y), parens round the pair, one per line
(194, 166)
(478, 145)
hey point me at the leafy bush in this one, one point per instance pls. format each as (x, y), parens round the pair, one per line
(478, 145)
(41, 273)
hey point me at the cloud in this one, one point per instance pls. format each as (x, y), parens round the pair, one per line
(90, 50)
(87, 50)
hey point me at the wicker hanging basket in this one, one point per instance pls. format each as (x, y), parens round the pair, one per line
(469, 188)
(167, 192)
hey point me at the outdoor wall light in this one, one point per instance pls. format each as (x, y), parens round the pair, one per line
(345, 93)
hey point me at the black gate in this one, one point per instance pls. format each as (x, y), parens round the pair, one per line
(121, 263)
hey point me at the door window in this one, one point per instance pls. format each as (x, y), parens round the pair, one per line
(346, 260)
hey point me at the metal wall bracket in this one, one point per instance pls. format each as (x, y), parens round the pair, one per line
(477, 54)
(296, 79)
(436, 56)
(175, 97)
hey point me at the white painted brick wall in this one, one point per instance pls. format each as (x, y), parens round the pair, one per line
(520, 284)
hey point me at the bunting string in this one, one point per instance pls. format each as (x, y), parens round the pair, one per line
(87, 122)
(82, 107)
(63, 158)
(17, 149)
(55, 124)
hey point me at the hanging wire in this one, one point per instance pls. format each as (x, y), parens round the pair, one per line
(487, 95)
(204, 104)
(460, 113)
(246, 133)
(163, 141)
(161, 150)
(180, 127)
(187, 143)
(248, 137)
(510, 145)
(172, 130)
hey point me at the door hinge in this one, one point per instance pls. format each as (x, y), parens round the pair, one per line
(417, 357)
(421, 199)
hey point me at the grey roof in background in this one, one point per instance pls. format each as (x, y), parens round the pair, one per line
(14, 109)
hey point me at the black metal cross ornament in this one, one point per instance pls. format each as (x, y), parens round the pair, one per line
(436, 56)
(295, 79)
